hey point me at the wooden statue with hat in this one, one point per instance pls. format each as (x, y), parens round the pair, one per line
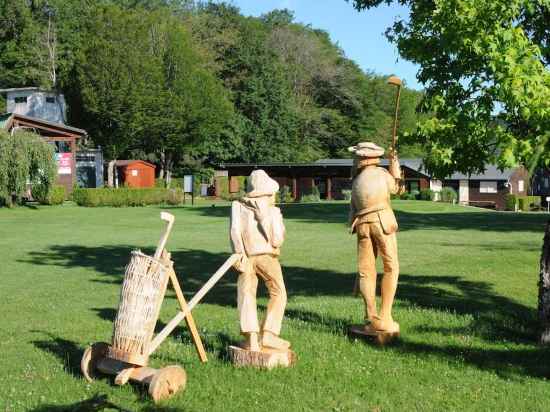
(257, 234)
(373, 220)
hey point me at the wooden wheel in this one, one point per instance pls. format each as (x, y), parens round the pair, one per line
(166, 382)
(92, 355)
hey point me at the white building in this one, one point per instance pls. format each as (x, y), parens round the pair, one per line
(37, 103)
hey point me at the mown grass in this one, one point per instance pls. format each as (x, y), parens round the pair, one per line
(466, 305)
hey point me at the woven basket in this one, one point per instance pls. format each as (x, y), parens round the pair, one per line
(142, 293)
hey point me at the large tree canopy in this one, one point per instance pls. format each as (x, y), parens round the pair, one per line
(190, 84)
(484, 64)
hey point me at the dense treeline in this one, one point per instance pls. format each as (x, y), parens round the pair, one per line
(187, 85)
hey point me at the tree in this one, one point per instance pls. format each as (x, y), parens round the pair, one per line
(483, 63)
(25, 158)
(144, 87)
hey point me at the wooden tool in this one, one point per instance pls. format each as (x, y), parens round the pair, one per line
(142, 293)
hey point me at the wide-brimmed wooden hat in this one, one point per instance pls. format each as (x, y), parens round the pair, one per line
(260, 184)
(367, 149)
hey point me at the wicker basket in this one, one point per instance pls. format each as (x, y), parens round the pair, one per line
(142, 293)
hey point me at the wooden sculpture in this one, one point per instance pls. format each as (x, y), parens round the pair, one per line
(257, 233)
(372, 218)
(143, 290)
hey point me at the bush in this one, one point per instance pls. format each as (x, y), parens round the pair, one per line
(510, 202)
(57, 196)
(122, 197)
(448, 195)
(526, 203)
(284, 195)
(312, 197)
(426, 194)
(409, 195)
(347, 194)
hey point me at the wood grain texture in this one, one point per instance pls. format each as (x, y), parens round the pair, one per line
(265, 359)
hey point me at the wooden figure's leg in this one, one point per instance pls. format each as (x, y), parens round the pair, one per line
(189, 318)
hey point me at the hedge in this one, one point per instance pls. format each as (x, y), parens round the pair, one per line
(123, 197)
(57, 196)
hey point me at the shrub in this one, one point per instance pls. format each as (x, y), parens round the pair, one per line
(312, 197)
(57, 196)
(426, 194)
(448, 195)
(523, 203)
(127, 197)
(409, 195)
(284, 195)
(526, 203)
(347, 194)
(510, 202)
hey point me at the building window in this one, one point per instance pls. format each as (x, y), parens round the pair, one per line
(50, 99)
(20, 99)
(520, 185)
(488, 187)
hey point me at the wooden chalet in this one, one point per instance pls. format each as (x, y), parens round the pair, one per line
(63, 137)
(330, 176)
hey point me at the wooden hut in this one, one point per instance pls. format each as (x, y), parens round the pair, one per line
(135, 173)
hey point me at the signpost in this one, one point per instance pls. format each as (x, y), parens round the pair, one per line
(548, 204)
(188, 187)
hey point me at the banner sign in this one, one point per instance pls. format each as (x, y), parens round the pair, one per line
(64, 163)
(188, 184)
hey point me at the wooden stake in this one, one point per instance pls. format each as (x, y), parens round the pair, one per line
(163, 334)
(189, 317)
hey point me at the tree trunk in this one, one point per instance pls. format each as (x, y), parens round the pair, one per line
(544, 288)
(168, 170)
(111, 173)
(162, 160)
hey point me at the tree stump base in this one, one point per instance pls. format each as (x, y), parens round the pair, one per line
(265, 359)
(377, 337)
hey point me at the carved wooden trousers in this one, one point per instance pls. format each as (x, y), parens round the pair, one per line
(269, 269)
(371, 242)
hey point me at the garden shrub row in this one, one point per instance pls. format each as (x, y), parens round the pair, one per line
(523, 203)
(122, 197)
(56, 196)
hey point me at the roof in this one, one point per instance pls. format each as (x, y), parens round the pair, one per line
(22, 89)
(492, 172)
(7, 119)
(131, 162)
(414, 164)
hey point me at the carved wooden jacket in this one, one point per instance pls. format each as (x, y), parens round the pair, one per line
(256, 227)
(370, 201)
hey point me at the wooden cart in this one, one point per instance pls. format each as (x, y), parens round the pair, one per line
(143, 290)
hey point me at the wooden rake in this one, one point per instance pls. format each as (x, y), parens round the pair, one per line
(142, 293)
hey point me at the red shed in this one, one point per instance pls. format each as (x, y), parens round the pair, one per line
(136, 173)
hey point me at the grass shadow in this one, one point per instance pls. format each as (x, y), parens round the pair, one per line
(461, 219)
(69, 352)
(95, 404)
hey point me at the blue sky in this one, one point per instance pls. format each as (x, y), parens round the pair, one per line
(359, 34)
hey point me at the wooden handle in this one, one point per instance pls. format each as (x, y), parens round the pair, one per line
(164, 238)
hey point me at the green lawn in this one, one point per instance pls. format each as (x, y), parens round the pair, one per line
(466, 305)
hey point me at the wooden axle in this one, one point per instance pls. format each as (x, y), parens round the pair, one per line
(162, 383)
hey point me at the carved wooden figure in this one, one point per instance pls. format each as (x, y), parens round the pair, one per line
(257, 233)
(142, 293)
(372, 219)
